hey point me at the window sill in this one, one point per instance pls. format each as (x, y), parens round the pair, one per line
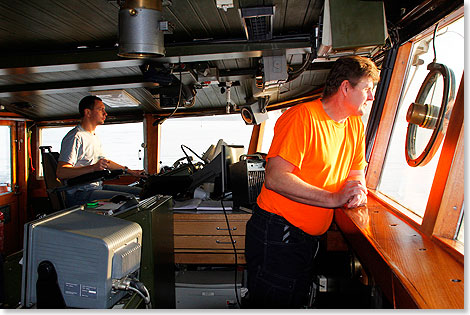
(456, 249)
(398, 209)
(412, 270)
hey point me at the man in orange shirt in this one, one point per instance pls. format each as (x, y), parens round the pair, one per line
(315, 163)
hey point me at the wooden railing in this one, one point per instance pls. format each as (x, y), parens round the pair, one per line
(412, 270)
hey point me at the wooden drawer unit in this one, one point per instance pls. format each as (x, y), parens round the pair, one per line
(203, 238)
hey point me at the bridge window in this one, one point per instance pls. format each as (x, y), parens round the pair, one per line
(5, 159)
(427, 194)
(269, 129)
(122, 143)
(275, 114)
(414, 185)
(50, 136)
(198, 133)
(461, 233)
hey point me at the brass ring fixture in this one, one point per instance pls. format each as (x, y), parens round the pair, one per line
(429, 116)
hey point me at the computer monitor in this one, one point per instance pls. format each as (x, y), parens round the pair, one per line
(216, 171)
(72, 257)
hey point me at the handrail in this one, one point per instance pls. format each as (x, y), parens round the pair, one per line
(412, 270)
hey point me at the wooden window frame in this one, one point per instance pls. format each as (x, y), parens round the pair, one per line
(13, 157)
(440, 220)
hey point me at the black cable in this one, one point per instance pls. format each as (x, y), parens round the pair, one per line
(234, 248)
(177, 104)
(187, 157)
(131, 283)
(148, 305)
(138, 287)
(309, 58)
(434, 42)
(185, 146)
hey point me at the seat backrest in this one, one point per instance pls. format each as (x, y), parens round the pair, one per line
(49, 166)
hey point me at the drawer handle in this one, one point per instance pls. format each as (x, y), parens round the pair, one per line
(219, 242)
(220, 229)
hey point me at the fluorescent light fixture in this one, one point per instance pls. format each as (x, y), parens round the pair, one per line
(224, 4)
(116, 98)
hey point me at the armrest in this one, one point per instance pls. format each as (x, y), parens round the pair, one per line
(94, 176)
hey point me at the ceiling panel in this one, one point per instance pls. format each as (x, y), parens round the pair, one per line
(54, 52)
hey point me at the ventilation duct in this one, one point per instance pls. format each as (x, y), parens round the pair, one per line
(140, 31)
(258, 22)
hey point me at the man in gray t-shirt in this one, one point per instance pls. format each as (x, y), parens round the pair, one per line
(81, 153)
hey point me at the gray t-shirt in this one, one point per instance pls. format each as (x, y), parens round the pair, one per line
(80, 148)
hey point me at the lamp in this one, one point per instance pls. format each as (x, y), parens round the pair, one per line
(255, 113)
(116, 98)
(140, 29)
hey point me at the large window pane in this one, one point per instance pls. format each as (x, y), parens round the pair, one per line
(271, 122)
(461, 230)
(122, 143)
(5, 159)
(51, 136)
(269, 129)
(410, 186)
(198, 133)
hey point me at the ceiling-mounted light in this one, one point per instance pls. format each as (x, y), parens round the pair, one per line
(224, 4)
(255, 113)
(116, 98)
(140, 31)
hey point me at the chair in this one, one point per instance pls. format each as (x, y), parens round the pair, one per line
(54, 187)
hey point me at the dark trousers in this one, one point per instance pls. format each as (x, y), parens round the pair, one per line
(279, 260)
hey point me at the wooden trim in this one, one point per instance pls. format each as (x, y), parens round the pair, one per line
(7, 123)
(11, 240)
(36, 154)
(387, 120)
(14, 156)
(400, 211)
(448, 216)
(449, 19)
(7, 115)
(211, 243)
(445, 162)
(455, 248)
(411, 269)
(256, 138)
(152, 141)
(209, 258)
(110, 119)
(22, 177)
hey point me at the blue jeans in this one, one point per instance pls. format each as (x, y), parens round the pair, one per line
(279, 260)
(79, 195)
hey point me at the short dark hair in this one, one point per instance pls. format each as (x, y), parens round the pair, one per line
(351, 68)
(88, 102)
